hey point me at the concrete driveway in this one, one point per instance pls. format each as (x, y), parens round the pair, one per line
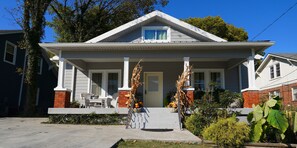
(29, 132)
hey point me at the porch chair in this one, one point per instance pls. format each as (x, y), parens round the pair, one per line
(86, 98)
(114, 100)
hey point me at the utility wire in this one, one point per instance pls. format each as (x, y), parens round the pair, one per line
(275, 21)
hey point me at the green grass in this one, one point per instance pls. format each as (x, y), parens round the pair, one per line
(158, 144)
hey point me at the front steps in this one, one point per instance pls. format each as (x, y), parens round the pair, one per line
(154, 118)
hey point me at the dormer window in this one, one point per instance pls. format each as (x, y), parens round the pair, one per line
(156, 34)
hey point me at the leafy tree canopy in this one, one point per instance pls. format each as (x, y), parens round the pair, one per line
(217, 26)
(81, 20)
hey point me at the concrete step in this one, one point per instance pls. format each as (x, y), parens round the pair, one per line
(155, 118)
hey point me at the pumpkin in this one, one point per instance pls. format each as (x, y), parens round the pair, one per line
(136, 105)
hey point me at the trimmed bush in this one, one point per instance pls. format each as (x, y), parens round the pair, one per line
(227, 132)
(101, 119)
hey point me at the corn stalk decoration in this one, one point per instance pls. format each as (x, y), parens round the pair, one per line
(180, 96)
(135, 83)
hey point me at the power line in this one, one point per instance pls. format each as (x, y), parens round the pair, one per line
(275, 21)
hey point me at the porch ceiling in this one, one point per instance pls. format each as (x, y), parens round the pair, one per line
(116, 46)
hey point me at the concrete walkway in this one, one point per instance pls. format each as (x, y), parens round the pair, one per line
(29, 132)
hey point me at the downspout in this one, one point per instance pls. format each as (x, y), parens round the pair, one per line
(23, 77)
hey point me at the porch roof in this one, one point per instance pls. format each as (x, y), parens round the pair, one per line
(123, 46)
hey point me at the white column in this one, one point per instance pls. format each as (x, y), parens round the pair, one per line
(186, 65)
(61, 74)
(251, 71)
(126, 73)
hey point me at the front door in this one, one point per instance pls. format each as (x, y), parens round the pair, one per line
(153, 89)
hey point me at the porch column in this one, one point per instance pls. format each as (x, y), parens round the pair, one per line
(251, 71)
(189, 90)
(62, 94)
(186, 64)
(126, 73)
(251, 94)
(125, 90)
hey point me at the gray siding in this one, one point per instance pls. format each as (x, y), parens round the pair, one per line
(232, 79)
(170, 70)
(134, 36)
(68, 77)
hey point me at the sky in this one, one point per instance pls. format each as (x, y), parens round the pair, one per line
(252, 15)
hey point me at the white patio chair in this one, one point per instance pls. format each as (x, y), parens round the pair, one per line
(114, 100)
(86, 98)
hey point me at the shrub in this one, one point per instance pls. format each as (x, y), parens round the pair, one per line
(101, 119)
(227, 132)
(74, 104)
(229, 99)
(205, 113)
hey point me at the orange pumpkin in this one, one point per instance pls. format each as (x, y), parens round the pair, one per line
(136, 105)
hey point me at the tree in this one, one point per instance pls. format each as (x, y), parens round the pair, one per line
(33, 23)
(81, 20)
(217, 26)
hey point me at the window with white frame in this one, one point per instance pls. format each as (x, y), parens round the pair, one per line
(275, 93)
(104, 82)
(294, 94)
(10, 52)
(274, 71)
(203, 78)
(156, 34)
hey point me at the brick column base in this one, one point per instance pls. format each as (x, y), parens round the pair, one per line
(122, 98)
(190, 95)
(62, 99)
(250, 97)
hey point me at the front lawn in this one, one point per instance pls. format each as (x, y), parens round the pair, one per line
(150, 144)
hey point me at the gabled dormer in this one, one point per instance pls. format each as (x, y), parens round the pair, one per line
(156, 27)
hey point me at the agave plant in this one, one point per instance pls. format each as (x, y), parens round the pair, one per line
(268, 122)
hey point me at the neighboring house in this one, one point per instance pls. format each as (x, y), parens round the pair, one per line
(13, 87)
(166, 45)
(277, 76)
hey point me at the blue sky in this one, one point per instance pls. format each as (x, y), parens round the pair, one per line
(252, 15)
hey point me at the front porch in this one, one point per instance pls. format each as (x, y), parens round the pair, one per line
(103, 68)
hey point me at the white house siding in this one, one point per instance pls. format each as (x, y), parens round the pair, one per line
(134, 36)
(68, 76)
(288, 74)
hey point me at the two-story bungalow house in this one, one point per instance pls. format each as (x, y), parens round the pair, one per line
(277, 76)
(13, 87)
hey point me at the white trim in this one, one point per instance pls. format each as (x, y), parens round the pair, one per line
(268, 57)
(293, 93)
(186, 65)
(207, 76)
(40, 66)
(37, 97)
(23, 78)
(165, 17)
(14, 53)
(126, 73)
(104, 91)
(73, 75)
(167, 28)
(251, 71)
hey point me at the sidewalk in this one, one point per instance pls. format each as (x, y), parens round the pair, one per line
(29, 132)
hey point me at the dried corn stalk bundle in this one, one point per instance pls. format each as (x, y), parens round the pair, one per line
(180, 86)
(135, 83)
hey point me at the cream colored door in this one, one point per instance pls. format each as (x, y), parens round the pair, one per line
(153, 89)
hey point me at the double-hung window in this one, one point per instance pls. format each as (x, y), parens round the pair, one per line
(156, 34)
(10, 52)
(275, 93)
(104, 82)
(275, 71)
(294, 94)
(202, 79)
